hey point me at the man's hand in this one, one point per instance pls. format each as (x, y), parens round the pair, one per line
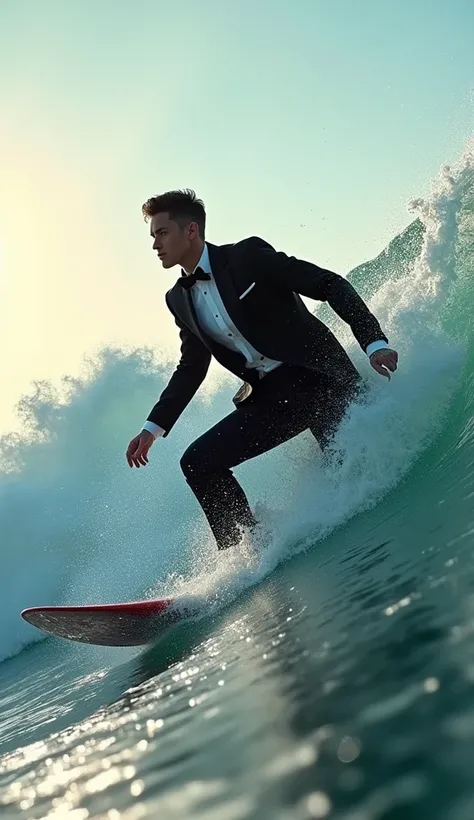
(137, 451)
(384, 361)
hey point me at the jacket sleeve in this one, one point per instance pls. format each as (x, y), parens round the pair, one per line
(185, 381)
(307, 279)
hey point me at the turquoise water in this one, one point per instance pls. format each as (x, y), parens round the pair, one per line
(331, 670)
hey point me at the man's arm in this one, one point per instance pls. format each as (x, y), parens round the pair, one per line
(318, 283)
(185, 381)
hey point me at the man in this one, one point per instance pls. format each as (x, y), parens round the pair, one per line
(241, 304)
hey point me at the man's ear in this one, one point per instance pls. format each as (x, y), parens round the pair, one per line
(193, 230)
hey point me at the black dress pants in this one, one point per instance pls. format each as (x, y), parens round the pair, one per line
(285, 402)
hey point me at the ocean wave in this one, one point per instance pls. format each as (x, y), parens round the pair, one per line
(78, 526)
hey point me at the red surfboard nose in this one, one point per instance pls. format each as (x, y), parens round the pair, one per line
(126, 624)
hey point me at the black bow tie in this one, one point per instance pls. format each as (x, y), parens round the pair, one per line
(188, 281)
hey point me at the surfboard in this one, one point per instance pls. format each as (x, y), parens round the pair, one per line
(128, 624)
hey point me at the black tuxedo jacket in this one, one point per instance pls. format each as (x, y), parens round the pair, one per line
(271, 316)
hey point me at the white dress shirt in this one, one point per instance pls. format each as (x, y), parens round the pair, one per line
(213, 318)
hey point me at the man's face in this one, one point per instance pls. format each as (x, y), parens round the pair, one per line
(170, 242)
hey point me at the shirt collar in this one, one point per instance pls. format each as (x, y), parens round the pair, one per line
(204, 262)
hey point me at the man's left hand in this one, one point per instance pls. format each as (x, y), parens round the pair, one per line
(384, 361)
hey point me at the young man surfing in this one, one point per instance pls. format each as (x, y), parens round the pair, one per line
(241, 303)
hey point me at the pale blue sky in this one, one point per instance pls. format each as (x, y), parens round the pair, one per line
(310, 123)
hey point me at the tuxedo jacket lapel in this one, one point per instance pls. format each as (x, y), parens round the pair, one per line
(181, 303)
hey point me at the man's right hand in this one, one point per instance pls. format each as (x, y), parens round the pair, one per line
(137, 451)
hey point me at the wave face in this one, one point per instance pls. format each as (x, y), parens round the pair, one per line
(78, 526)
